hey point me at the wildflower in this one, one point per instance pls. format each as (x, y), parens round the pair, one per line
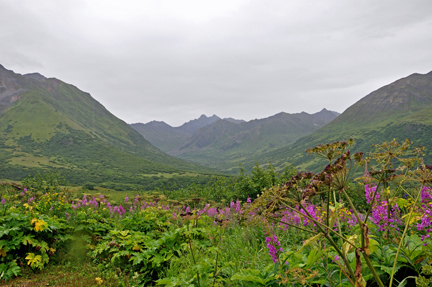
(238, 206)
(336, 258)
(126, 199)
(3, 201)
(426, 194)
(273, 246)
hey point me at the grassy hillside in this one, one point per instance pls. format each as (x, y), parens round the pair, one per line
(48, 125)
(399, 111)
(225, 144)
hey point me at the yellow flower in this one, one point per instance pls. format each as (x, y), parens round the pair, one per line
(99, 281)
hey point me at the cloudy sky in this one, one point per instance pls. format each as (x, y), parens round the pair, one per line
(173, 60)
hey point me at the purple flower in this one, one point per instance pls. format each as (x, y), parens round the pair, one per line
(232, 205)
(369, 191)
(238, 207)
(426, 194)
(336, 258)
(3, 201)
(126, 199)
(273, 246)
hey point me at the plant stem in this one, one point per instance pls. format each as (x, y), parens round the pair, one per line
(321, 224)
(372, 269)
(193, 257)
(330, 240)
(292, 225)
(365, 256)
(402, 238)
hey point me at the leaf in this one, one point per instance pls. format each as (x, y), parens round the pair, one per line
(388, 270)
(3, 252)
(33, 259)
(416, 216)
(311, 240)
(346, 247)
(401, 202)
(333, 216)
(27, 239)
(40, 225)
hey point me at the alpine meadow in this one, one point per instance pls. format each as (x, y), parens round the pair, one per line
(294, 199)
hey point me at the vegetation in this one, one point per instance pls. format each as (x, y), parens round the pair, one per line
(55, 127)
(312, 230)
(398, 111)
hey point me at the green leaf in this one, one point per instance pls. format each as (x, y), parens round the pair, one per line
(311, 240)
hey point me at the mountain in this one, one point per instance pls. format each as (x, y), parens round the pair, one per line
(192, 126)
(400, 110)
(167, 138)
(49, 125)
(161, 135)
(224, 143)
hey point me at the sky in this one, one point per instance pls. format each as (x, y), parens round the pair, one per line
(174, 60)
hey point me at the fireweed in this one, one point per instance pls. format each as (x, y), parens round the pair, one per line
(290, 204)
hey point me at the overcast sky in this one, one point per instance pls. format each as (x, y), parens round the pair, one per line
(173, 60)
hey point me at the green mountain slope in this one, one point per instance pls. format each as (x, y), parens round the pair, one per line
(224, 144)
(400, 110)
(166, 137)
(46, 124)
(161, 135)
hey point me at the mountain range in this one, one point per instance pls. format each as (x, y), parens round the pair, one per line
(401, 110)
(49, 125)
(224, 143)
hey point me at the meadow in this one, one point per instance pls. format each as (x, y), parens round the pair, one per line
(364, 220)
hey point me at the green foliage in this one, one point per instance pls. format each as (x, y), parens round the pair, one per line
(241, 186)
(88, 185)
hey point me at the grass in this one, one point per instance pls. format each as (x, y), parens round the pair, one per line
(69, 274)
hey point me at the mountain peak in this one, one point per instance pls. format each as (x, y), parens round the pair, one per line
(35, 76)
(192, 126)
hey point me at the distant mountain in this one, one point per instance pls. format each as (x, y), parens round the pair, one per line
(48, 125)
(400, 110)
(192, 126)
(161, 135)
(224, 143)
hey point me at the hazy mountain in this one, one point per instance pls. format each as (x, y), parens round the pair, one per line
(46, 124)
(192, 126)
(400, 110)
(223, 143)
(161, 135)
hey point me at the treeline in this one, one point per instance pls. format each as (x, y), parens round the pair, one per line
(240, 187)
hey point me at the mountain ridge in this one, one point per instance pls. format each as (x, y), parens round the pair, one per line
(48, 124)
(399, 110)
(224, 142)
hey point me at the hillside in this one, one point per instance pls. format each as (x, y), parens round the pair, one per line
(48, 125)
(400, 110)
(224, 143)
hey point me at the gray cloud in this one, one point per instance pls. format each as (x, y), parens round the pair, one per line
(175, 60)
